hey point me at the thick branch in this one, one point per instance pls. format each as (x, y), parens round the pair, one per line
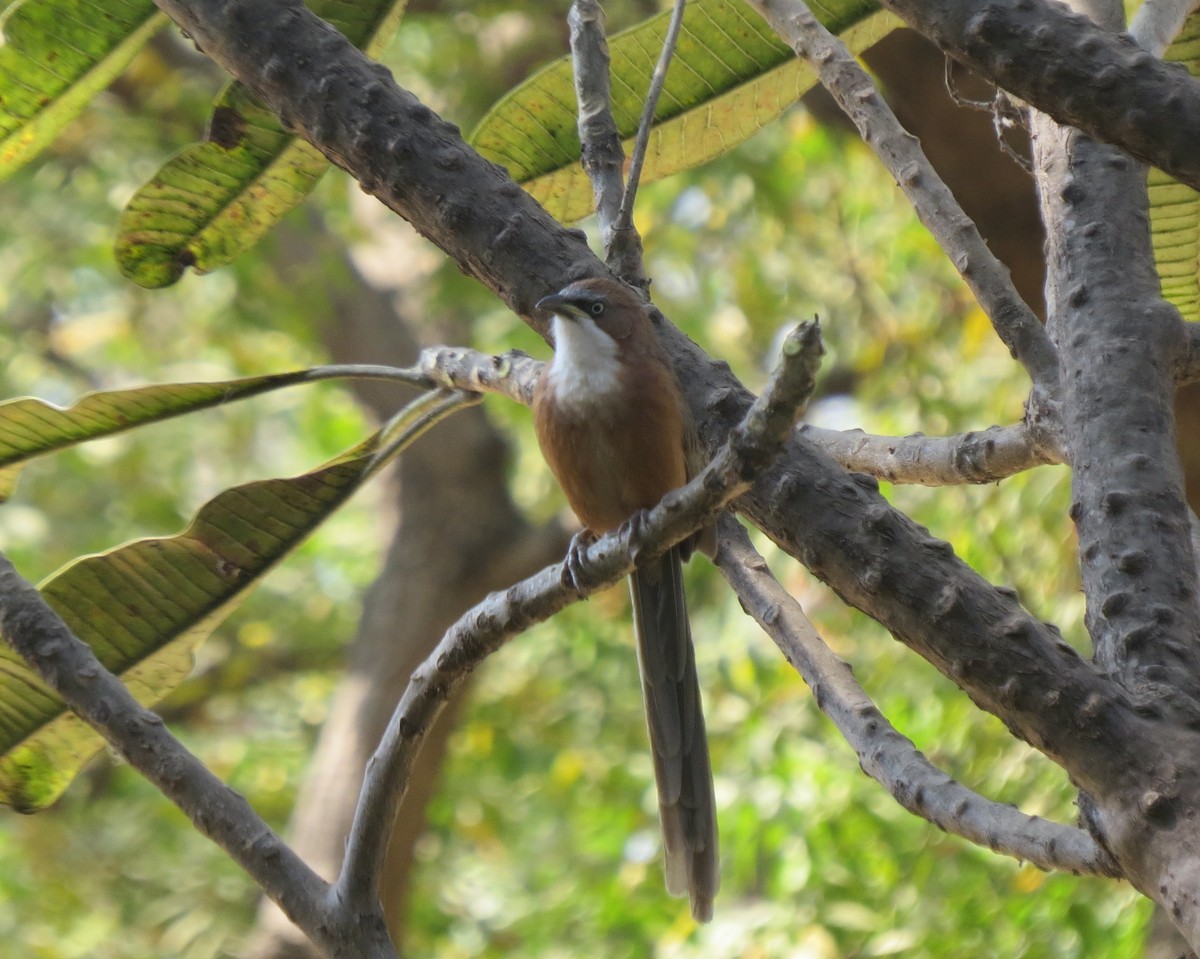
(884, 754)
(987, 457)
(72, 670)
(1119, 342)
(1076, 72)
(880, 561)
(901, 153)
(1119, 345)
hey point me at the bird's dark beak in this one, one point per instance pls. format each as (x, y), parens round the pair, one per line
(555, 303)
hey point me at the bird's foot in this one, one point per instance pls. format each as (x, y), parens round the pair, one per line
(574, 565)
(633, 528)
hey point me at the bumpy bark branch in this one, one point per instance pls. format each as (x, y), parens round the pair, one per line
(1119, 345)
(1076, 72)
(985, 457)
(901, 153)
(1119, 341)
(603, 157)
(884, 754)
(71, 669)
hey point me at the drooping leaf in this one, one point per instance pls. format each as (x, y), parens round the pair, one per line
(31, 427)
(730, 76)
(55, 56)
(145, 606)
(1175, 208)
(214, 200)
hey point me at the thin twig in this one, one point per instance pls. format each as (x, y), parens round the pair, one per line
(883, 753)
(901, 153)
(500, 616)
(367, 371)
(641, 142)
(977, 457)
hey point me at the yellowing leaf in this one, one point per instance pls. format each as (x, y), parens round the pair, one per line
(730, 77)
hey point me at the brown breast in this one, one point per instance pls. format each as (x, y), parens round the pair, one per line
(619, 456)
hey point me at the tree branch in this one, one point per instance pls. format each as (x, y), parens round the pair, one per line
(1119, 341)
(1119, 344)
(71, 669)
(603, 158)
(642, 140)
(901, 153)
(1158, 22)
(1187, 367)
(883, 753)
(501, 616)
(987, 457)
(1076, 72)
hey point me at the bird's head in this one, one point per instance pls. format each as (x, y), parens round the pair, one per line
(602, 330)
(608, 307)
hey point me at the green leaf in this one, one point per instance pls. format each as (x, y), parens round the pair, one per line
(214, 200)
(145, 606)
(31, 427)
(1175, 208)
(730, 77)
(56, 55)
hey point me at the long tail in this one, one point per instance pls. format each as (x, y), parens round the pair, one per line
(676, 721)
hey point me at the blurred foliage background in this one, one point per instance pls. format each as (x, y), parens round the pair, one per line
(543, 839)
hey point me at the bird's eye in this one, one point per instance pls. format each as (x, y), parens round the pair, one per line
(597, 308)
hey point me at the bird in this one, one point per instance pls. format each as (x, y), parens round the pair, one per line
(613, 428)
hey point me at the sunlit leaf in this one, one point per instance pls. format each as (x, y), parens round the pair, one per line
(1175, 208)
(145, 606)
(214, 200)
(730, 77)
(55, 56)
(31, 427)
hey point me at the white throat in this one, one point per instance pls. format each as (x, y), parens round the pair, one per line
(585, 368)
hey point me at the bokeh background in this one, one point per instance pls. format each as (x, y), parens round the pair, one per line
(541, 836)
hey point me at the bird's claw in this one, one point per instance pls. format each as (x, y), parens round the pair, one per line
(632, 528)
(574, 564)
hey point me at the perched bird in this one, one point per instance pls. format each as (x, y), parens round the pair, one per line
(612, 426)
